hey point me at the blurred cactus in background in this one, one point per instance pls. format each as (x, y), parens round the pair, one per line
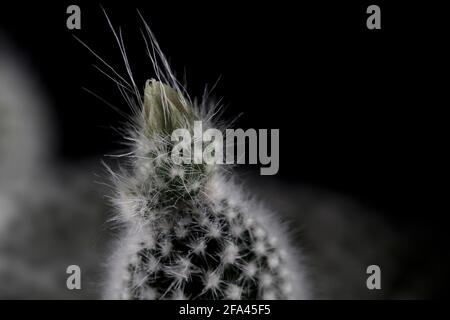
(56, 221)
(25, 140)
(51, 213)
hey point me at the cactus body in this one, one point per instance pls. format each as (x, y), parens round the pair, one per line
(190, 231)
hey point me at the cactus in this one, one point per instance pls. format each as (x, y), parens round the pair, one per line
(44, 202)
(190, 231)
(25, 141)
(55, 221)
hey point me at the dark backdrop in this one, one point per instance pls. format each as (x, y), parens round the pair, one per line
(357, 109)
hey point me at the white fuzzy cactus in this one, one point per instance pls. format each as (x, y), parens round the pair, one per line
(190, 231)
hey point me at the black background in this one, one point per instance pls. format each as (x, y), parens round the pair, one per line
(359, 111)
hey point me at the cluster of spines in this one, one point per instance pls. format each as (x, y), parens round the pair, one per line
(212, 251)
